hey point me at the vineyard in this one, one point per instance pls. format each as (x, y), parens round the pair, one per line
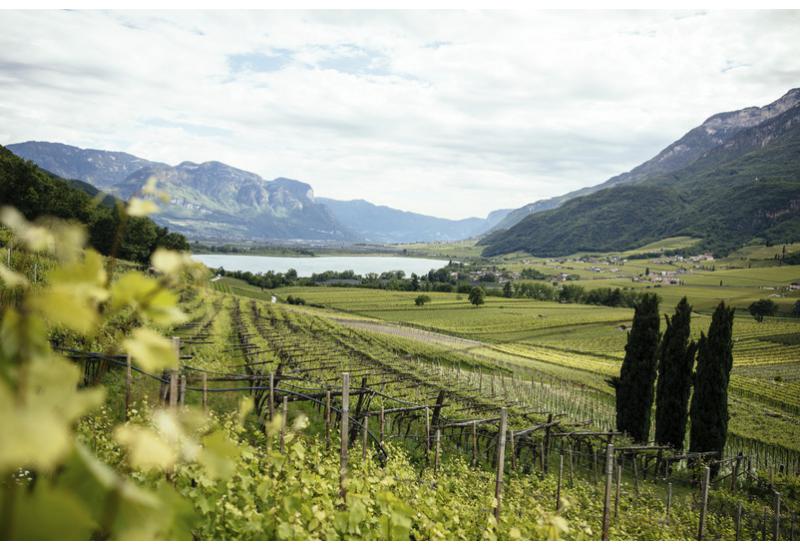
(262, 420)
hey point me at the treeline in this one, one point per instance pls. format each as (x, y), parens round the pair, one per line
(35, 192)
(576, 294)
(661, 367)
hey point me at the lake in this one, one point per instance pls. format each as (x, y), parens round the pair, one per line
(306, 266)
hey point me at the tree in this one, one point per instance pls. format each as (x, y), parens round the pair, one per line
(709, 409)
(414, 282)
(796, 309)
(762, 308)
(675, 377)
(421, 300)
(634, 386)
(476, 295)
(508, 292)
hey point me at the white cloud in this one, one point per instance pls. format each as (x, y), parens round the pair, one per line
(446, 113)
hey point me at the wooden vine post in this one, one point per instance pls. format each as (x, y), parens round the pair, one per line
(738, 522)
(513, 451)
(284, 418)
(560, 476)
(204, 377)
(427, 433)
(345, 429)
(173, 375)
(776, 526)
(328, 419)
(182, 392)
(382, 425)
(617, 493)
(271, 395)
(546, 443)
(701, 530)
(438, 451)
(607, 497)
(501, 455)
(474, 444)
(128, 384)
(669, 502)
(364, 437)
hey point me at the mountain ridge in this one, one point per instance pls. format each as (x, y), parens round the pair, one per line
(690, 147)
(213, 200)
(747, 186)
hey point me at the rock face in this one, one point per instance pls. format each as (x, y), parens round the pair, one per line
(716, 130)
(207, 200)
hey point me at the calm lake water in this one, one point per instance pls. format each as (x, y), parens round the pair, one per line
(306, 266)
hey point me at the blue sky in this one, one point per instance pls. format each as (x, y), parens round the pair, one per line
(446, 113)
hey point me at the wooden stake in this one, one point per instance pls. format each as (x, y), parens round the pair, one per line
(735, 474)
(204, 377)
(438, 450)
(173, 377)
(128, 384)
(546, 453)
(607, 499)
(182, 391)
(738, 522)
(271, 395)
(669, 502)
(776, 527)
(474, 445)
(427, 433)
(382, 425)
(344, 436)
(617, 493)
(513, 452)
(635, 476)
(173, 389)
(701, 530)
(328, 419)
(365, 437)
(560, 475)
(501, 455)
(284, 418)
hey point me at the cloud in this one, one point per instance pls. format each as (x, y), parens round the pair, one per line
(443, 112)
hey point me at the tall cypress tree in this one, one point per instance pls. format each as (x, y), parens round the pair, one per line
(675, 377)
(634, 387)
(709, 409)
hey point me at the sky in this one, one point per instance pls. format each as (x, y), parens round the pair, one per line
(447, 113)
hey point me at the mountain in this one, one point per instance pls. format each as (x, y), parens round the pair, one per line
(207, 200)
(715, 131)
(102, 169)
(217, 201)
(382, 224)
(745, 184)
(36, 192)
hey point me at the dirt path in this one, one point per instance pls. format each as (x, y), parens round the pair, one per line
(420, 335)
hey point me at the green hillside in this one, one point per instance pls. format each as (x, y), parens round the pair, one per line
(748, 187)
(35, 192)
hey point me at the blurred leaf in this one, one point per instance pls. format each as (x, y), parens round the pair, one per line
(141, 207)
(146, 450)
(49, 513)
(151, 351)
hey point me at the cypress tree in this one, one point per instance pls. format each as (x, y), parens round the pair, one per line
(634, 386)
(675, 377)
(709, 409)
